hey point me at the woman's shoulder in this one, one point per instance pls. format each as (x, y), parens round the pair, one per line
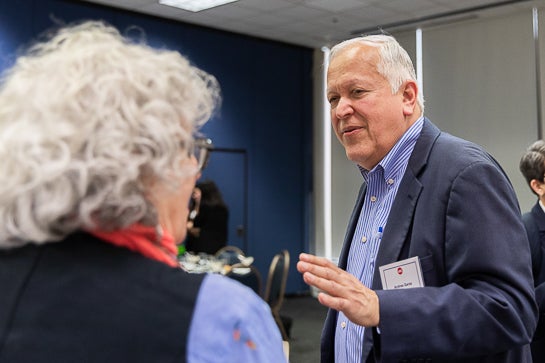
(231, 321)
(231, 297)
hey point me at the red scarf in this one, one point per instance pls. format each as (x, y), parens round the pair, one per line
(144, 240)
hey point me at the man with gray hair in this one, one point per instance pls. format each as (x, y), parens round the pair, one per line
(435, 264)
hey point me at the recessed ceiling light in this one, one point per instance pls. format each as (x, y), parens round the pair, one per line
(195, 5)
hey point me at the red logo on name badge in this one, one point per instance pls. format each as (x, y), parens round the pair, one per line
(399, 271)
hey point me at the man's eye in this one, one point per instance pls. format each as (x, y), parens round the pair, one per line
(333, 99)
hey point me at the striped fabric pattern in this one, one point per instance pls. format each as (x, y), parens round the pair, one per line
(382, 185)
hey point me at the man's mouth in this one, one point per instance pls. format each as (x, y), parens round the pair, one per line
(349, 129)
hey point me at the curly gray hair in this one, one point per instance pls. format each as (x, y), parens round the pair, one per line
(86, 119)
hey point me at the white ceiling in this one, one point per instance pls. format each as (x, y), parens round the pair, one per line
(315, 23)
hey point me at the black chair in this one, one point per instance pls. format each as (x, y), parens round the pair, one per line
(275, 289)
(230, 254)
(246, 275)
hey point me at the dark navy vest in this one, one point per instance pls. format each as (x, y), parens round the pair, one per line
(84, 300)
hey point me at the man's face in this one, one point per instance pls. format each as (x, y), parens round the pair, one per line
(366, 117)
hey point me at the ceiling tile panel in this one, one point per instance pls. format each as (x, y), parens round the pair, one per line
(314, 23)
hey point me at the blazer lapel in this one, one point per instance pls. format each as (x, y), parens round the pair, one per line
(538, 214)
(395, 240)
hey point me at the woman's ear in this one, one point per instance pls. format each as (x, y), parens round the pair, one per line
(410, 93)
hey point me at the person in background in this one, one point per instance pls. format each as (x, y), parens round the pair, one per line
(435, 266)
(98, 165)
(532, 167)
(208, 228)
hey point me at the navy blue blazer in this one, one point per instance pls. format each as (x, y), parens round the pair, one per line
(457, 211)
(534, 221)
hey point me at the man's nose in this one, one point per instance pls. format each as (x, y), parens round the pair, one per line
(344, 108)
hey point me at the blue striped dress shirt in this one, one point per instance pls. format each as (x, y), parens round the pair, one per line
(382, 185)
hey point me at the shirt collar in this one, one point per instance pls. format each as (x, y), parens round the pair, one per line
(399, 155)
(542, 206)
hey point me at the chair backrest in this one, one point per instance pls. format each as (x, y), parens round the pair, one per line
(229, 254)
(276, 280)
(246, 275)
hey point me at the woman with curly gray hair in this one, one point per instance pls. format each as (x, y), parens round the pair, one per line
(98, 164)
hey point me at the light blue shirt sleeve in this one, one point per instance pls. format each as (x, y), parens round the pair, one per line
(232, 324)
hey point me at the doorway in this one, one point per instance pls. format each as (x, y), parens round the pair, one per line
(228, 168)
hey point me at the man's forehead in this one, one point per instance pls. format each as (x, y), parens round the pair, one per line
(354, 61)
(355, 50)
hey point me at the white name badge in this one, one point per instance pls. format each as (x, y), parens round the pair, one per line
(404, 274)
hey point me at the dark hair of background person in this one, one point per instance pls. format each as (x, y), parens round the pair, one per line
(211, 195)
(210, 226)
(532, 163)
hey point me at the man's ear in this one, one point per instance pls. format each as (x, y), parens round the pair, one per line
(537, 187)
(410, 93)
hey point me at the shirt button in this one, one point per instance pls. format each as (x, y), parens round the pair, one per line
(390, 181)
(364, 239)
(373, 198)
(343, 324)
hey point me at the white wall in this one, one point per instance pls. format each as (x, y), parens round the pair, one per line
(321, 222)
(479, 83)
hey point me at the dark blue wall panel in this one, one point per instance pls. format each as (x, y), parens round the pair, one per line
(265, 119)
(15, 29)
